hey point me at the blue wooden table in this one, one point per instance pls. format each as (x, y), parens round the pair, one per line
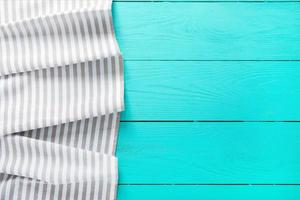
(212, 93)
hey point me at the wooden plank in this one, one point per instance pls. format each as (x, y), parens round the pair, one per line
(206, 153)
(208, 31)
(208, 192)
(192, 90)
(191, 1)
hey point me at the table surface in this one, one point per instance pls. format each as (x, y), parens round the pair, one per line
(212, 94)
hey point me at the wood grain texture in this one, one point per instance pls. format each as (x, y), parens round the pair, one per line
(217, 1)
(192, 90)
(228, 89)
(205, 153)
(208, 31)
(208, 192)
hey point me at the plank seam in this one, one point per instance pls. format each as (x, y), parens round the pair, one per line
(247, 1)
(209, 184)
(213, 121)
(193, 60)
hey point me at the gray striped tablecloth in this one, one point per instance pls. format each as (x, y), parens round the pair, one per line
(61, 91)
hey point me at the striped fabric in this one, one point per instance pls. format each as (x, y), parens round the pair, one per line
(61, 91)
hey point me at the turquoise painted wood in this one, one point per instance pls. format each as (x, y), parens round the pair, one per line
(209, 192)
(208, 31)
(204, 1)
(188, 61)
(208, 153)
(192, 90)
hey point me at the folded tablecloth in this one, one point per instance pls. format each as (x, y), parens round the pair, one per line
(61, 91)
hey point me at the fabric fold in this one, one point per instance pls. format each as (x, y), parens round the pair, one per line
(53, 163)
(61, 94)
(57, 40)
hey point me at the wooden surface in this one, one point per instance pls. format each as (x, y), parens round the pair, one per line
(219, 90)
(212, 96)
(209, 153)
(208, 31)
(208, 192)
(205, 1)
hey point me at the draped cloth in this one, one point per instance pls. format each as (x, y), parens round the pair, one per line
(61, 91)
